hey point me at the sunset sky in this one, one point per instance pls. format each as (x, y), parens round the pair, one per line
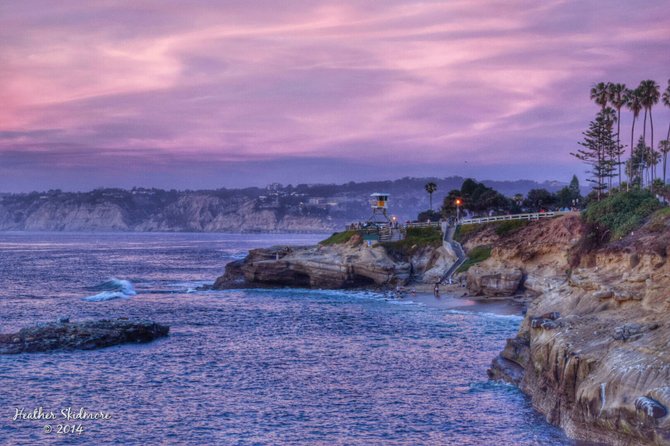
(208, 94)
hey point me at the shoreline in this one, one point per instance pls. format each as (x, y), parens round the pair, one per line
(503, 307)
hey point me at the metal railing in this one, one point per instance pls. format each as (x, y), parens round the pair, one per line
(381, 226)
(533, 216)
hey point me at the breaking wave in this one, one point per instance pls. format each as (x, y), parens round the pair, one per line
(111, 289)
(514, 317)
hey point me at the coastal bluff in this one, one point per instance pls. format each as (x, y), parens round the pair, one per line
(350, 264)
(592, 351)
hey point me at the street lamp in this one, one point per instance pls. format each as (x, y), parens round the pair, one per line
(459, 202)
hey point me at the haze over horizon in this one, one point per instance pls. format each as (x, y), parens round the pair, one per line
(214, 94)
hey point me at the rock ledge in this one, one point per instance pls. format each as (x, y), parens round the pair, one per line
(86, 335)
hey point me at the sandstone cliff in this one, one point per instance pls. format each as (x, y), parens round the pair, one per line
(122, 211)
(592, 351)
(534, 257)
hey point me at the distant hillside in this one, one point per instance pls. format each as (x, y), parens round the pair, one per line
(304, 207)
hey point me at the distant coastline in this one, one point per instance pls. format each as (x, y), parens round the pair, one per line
(304, 208)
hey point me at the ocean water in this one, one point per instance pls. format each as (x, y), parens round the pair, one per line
(246, 367)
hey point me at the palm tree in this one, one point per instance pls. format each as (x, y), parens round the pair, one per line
(633, 104)
(600, 94)
(664, 148)
(617, 97)
(650, 93)
(430, 188)
(666, 102)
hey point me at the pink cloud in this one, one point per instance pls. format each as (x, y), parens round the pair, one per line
(435, 82)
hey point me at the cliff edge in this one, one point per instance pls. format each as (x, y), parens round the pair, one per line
(592, 351)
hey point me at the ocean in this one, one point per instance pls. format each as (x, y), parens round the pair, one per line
(246, 367)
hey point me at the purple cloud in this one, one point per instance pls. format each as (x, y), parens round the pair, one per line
(489, 89)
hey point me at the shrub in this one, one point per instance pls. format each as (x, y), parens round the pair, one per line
(463, 231)
(338, 238)
(429, 215)
(617, 215)
(415, 239)
(476, 255)
(510, 226)
(659, 220)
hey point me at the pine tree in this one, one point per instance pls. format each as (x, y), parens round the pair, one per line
(600, 151)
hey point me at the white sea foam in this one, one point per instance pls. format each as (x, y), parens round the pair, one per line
(486, 314)
(112, 289)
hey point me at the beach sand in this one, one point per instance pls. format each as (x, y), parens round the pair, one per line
(456, 298)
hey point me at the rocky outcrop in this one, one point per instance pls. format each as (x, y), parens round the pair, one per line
(64, 335)
(315, 267)
(539, 250)
(352, 264)
(497, 282)
(592, 351)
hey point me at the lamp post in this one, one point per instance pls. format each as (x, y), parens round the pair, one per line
(458, 209)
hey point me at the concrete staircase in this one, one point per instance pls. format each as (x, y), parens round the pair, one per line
(448, 239)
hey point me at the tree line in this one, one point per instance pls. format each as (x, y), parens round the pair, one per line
(602, 148)
(475, 198)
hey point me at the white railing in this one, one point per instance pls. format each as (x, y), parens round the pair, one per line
(533, 216)
(432, 224)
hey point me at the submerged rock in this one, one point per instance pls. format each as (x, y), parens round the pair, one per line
(87, 335)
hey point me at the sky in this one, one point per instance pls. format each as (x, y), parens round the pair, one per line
(209, 94)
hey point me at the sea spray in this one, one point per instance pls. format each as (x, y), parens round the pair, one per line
(111, 289)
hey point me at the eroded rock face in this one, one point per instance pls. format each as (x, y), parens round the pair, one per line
(494, 282)
(593, 350)
(348, 265)
(87, 335)
(342, 266)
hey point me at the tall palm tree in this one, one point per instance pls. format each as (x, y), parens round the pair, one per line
(666, 102)
(617, 97)
(650, 95)
(430, 188)
(633, 104)
(600, 94)
(664, 148)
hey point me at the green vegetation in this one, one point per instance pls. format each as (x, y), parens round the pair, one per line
(475, 197)
(476, 255)
(508, 227)
(619, 214)
(502, 228)
(338, 238)
(659, 220)
(429, 215)
(463, 231)
(416, 239)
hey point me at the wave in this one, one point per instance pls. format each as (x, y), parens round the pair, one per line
(111, 289)
(316, 292)
(486, 314)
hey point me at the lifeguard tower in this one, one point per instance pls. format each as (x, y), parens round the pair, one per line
(379, 203)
